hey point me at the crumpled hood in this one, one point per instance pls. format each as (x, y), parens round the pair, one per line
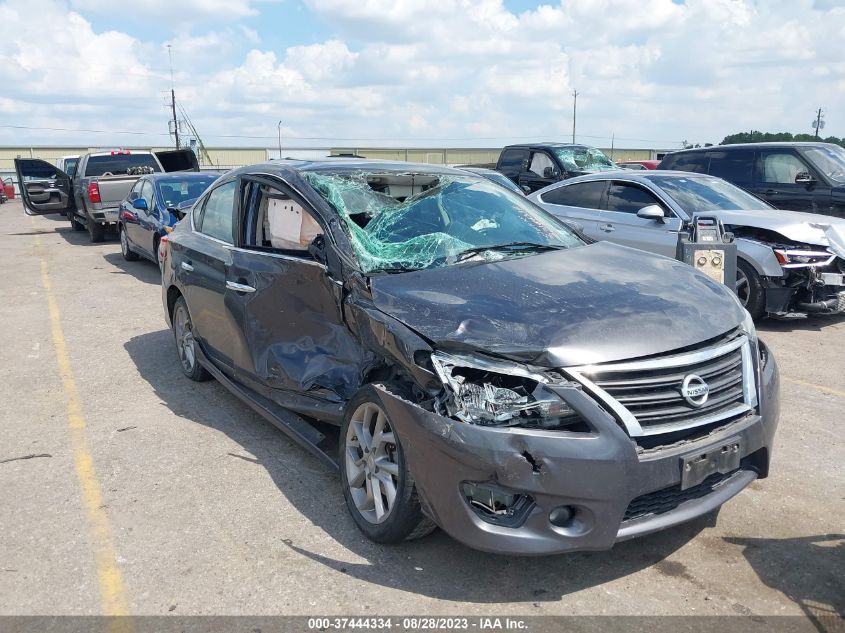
(810, 228)
(590, 304)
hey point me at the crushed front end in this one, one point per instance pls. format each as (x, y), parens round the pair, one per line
(525, 460)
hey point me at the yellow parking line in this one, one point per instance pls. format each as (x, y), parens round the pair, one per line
(812, 385)
(112, 593)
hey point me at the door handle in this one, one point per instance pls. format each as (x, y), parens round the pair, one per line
(607, 228)
(232, 285)
(186, 266)
(771, 192)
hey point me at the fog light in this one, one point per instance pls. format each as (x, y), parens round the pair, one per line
(497, 505)
(561, 516)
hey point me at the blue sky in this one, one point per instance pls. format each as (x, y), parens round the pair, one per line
(650, 73)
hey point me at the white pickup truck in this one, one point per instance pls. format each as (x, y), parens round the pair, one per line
(91, 197)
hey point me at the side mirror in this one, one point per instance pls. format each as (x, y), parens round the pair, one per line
(526, 189)
(317, 249)
(140, 204)
(652, 212)
(550, 172)
(804, 178)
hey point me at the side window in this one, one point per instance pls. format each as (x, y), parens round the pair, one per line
(696, 162)
(275, 221)
(511, 161)
(147, 194)
(216, 216)
(780, 167)
(135, 192)
(539, 162)
(733, 166)
(586, 195)
(625, 198)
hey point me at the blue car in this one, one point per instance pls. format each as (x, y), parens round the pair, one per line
(153, 207)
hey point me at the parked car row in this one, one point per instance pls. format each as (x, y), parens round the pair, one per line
(489, 370)
(788, 263)
(90, 195)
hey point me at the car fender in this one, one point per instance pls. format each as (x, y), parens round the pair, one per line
(760, 255)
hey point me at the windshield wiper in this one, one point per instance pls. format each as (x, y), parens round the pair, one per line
(510, 246)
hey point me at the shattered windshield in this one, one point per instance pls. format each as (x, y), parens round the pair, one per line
(411, 221)
(829, 160)
(583, 159)
(699, 194)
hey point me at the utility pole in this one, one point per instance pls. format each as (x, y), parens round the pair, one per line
(574, 109)
(173, 98)
(279, 127)
(818, 122)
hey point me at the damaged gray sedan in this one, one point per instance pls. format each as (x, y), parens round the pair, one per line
(489, 371)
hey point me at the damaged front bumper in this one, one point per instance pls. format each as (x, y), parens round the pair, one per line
(567, 491)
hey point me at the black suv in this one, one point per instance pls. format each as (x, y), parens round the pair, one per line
(796, 176)
(533, 167)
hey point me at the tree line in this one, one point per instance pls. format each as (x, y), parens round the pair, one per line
(766, 137)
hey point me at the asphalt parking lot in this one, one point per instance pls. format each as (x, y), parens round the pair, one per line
(126, 488)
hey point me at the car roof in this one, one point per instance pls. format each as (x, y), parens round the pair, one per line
(767, 145)
(634, 175)
(287, 165)
(545, 145)
(181, 175)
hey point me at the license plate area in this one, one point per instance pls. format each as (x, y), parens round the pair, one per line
(723, 458)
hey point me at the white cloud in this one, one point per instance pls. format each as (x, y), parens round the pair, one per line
(457, 69)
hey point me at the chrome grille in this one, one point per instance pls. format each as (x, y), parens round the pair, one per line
(646, 394)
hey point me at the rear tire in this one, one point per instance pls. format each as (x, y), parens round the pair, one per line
(749, 289)
(126, 250)
(186, 344)
(96, 230)
(380, 491)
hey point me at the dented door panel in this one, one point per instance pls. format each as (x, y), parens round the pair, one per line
(295, 332)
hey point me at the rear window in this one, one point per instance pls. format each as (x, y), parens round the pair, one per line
(511, 161)
(687, 161)
(734, 166)
(174, 192)
(119, 164)
(586, 195)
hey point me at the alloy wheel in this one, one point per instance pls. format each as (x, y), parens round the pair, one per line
(743, 288)
(371, 462)
(184, 339)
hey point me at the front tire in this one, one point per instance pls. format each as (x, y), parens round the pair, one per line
(380, 491)
(749, 289)
(186, 344)
(126, 250)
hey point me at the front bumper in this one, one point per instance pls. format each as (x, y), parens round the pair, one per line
(598, 474)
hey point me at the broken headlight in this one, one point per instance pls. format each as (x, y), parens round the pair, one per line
(500, 393)
(801, 258)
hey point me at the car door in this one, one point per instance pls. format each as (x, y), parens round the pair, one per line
(138, 231)
(577, 204)
(44, 188)
(541, 172)
(203, 260)
(775, 174)
(620, 223)
(291, 304)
